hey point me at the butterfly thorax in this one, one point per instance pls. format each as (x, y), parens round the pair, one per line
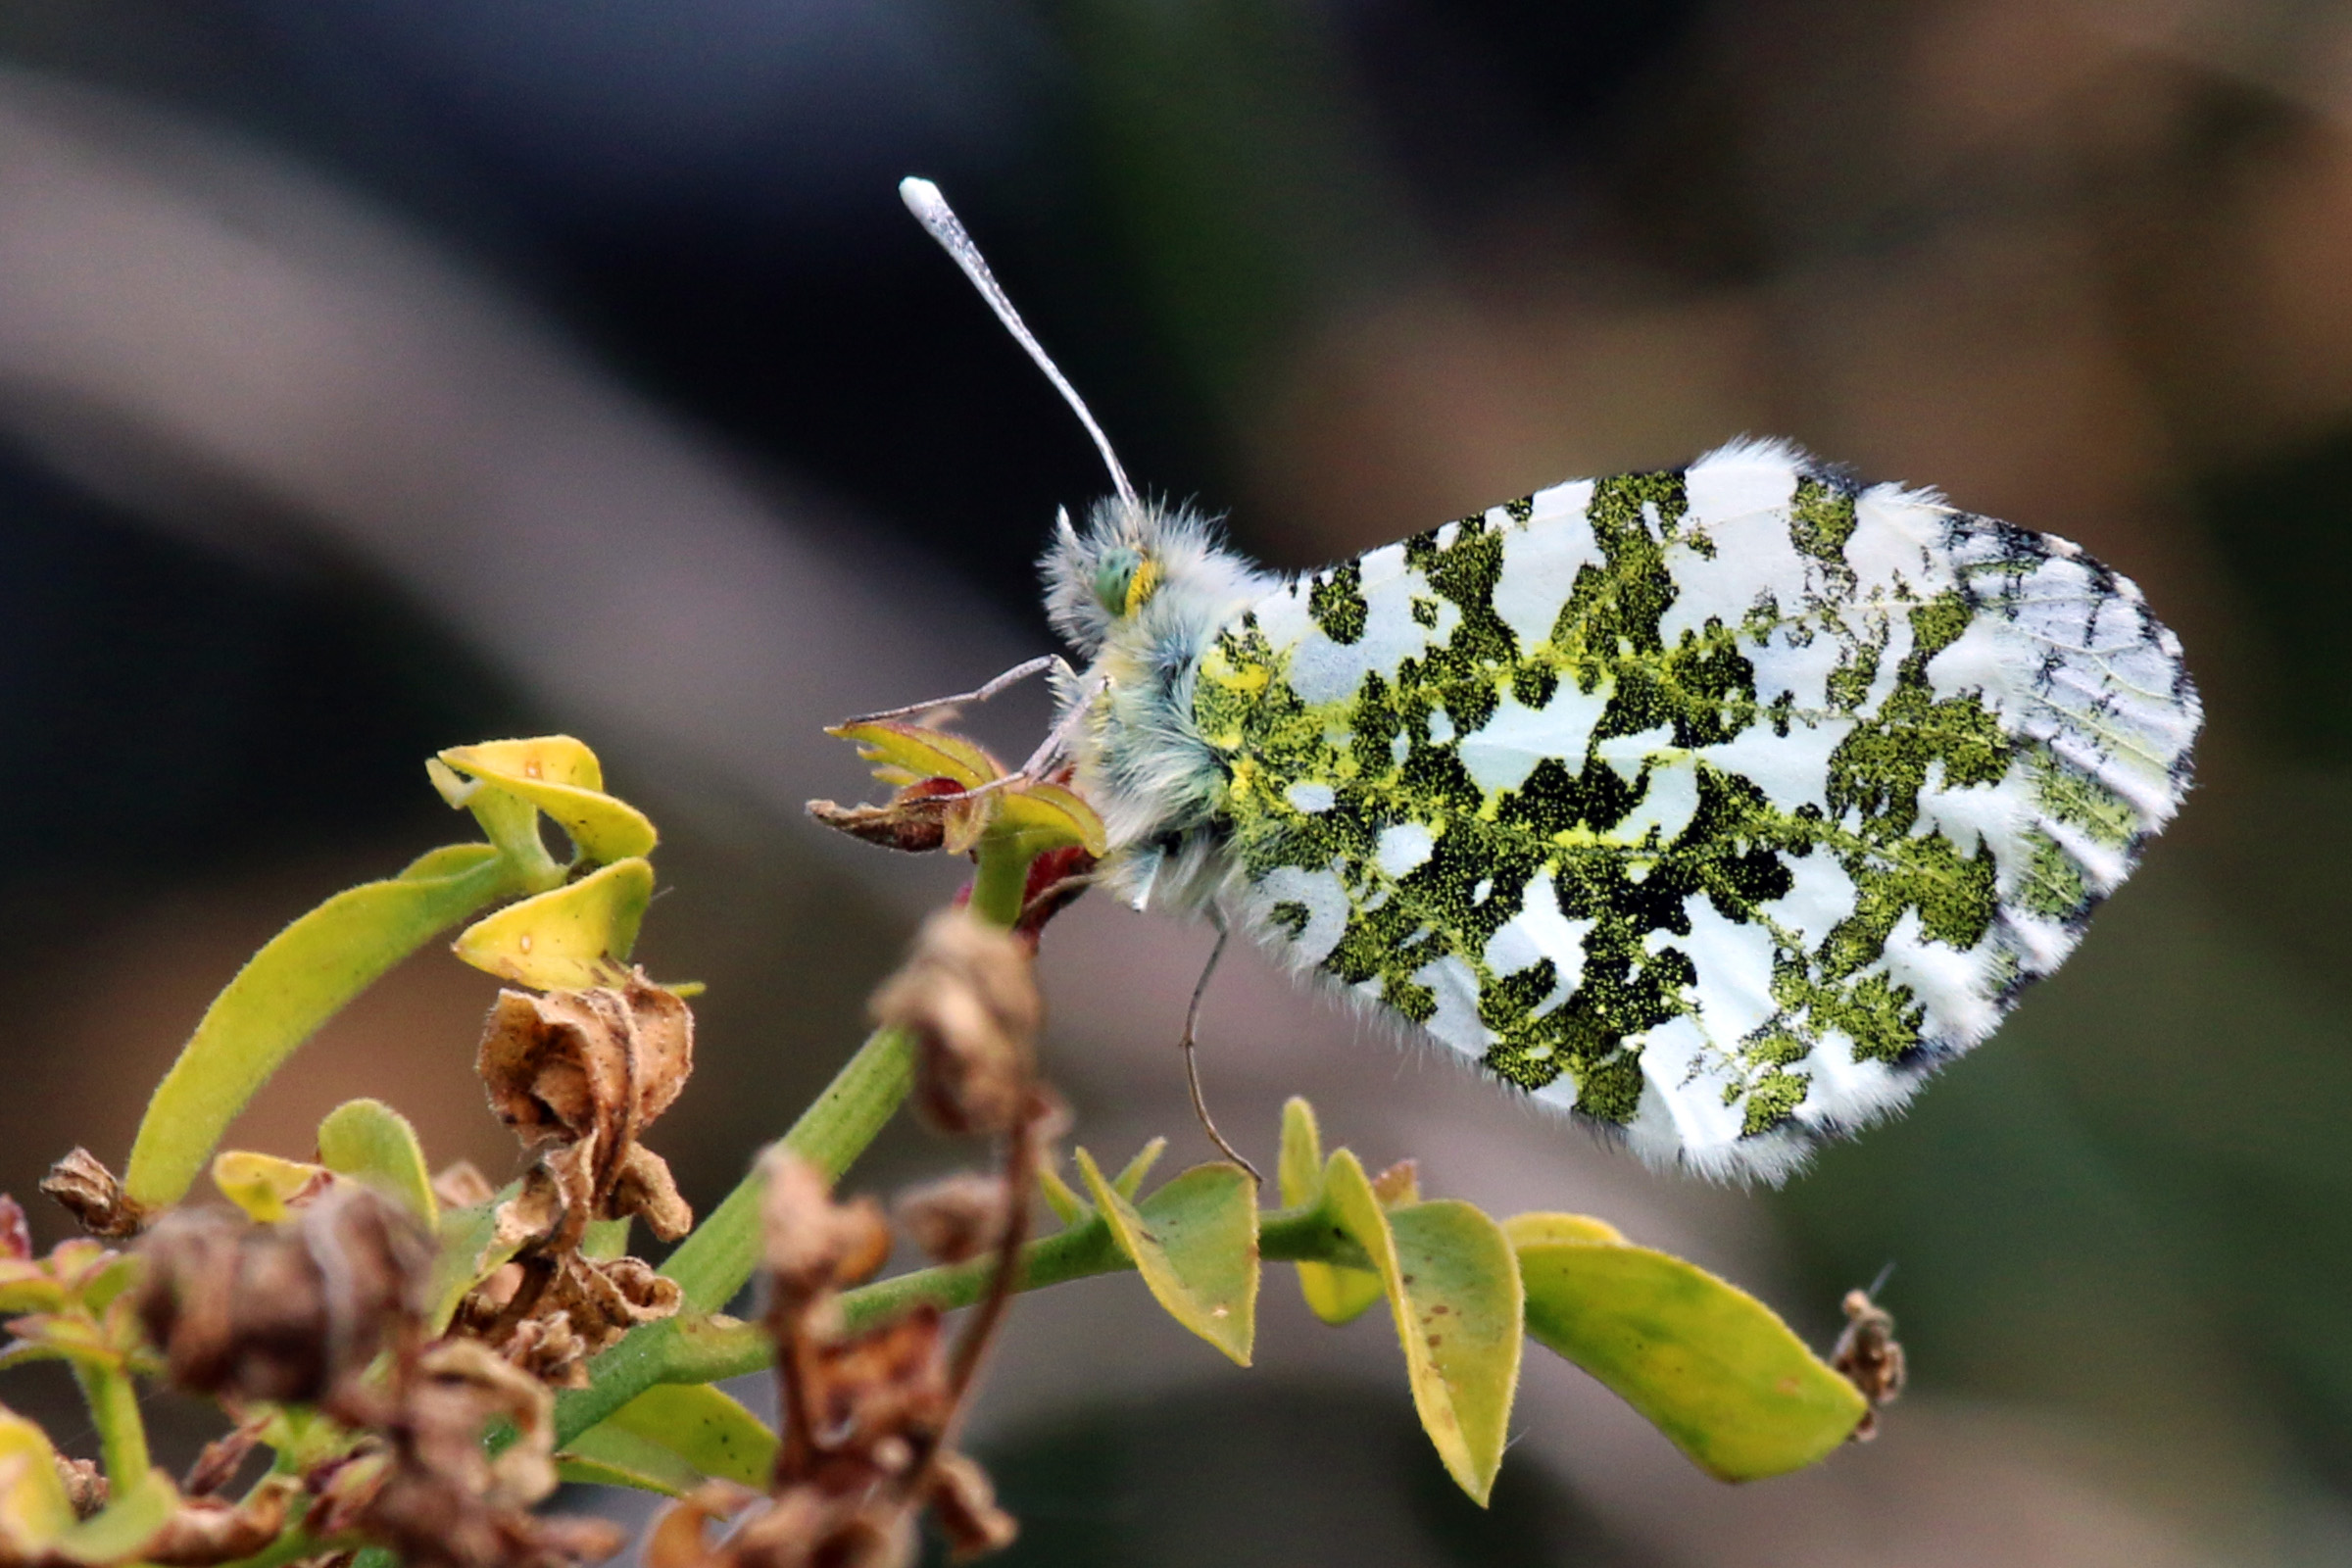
(1141, 594)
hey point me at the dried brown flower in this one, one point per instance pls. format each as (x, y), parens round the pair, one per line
(292, 1311)
(588, 1071)
(964, 1502)
(92, 1194)
(205, 1531)
(441, 1501)
(957, 1217)
(222, 1457)
(574, 1309)
(1870, 1358)
(580, 1074)
(968, 994)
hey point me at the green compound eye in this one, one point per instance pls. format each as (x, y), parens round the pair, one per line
(1113, 578)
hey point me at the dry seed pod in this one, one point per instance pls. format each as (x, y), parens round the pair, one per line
(280, 1313)
(968, 994)
(957, 1217)
(90, 1191)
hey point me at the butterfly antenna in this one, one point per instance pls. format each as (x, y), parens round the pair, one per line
(1879, 1284)
(931, 209)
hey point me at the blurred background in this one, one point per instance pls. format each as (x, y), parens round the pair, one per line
(389, 374)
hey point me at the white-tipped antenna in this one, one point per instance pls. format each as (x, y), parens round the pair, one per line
(931, 209)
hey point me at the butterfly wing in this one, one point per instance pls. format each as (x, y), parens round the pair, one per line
(1719, 805)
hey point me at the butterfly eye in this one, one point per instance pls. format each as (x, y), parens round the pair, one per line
(1116, 579)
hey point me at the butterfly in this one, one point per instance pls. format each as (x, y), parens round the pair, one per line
(1715, 807)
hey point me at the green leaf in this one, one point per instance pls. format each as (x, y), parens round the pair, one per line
(122, 1530)
(373, 1144)
(1704, 1362)
(703, 1427)
(301, 979)
(574, 938)
(1333, 1293)
(262, 1185)
(562, 778)
(1453, 1288)
(1194, 1241)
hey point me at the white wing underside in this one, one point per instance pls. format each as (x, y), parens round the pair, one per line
(2087, 689)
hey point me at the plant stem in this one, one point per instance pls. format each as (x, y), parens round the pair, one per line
(706, 1352)
(713, 1263)
(113, 1402)
(1002, 882)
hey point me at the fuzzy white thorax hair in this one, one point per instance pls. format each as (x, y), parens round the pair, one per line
(1140, 758)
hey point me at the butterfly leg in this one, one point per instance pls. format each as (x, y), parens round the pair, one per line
(1011, 677)
(1049, 751)
(1191, 1064)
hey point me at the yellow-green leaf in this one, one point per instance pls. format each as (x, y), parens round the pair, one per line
(1130, 1180)
(574, 938)
(370, 1142)
(908, 754)
(34, 1509)
(1705, 1362)
(1067, 1206)
(605, 1458)
(1454, 1286)
(562, 778)
(301, 979)
(262, 1185)
(1195, 1242)
(1550, 1230)
(703, 1427)
(1333, 1293)
(121, 1530)
(1044, 817)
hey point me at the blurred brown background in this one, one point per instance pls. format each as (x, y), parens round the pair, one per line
(388, 375)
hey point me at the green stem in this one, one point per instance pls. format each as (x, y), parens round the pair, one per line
(713, 1263)
(712, 1348)
(1002, 882)
(113, 1402)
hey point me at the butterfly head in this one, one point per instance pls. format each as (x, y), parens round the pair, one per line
(1140, 572)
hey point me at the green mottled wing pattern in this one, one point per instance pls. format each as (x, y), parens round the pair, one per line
(1718, 805)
